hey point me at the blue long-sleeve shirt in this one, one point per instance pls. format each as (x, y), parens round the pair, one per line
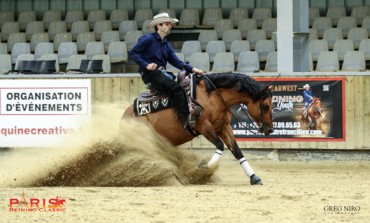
(307, 94)
(151, 49)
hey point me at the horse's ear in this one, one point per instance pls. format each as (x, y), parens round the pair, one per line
(268, 88)
(266, 91)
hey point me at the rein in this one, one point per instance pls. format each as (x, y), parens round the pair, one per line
(273, 80)
(219, 94)
(246, 114)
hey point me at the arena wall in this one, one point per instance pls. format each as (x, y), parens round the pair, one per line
(122, 89)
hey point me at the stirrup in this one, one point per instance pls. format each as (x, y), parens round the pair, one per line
(193, 116)
(189, 123)
(197, 110)
(192, 124)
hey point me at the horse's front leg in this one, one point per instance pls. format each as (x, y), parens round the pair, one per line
(228, 137)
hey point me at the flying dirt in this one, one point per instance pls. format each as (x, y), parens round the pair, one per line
(99, 156)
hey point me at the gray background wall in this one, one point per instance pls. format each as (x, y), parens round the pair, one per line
(132, 5)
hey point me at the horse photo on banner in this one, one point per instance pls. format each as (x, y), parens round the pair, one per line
(303, 109)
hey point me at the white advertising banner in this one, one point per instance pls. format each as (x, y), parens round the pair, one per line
(39, 113)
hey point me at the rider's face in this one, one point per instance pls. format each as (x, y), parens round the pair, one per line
(165, 28)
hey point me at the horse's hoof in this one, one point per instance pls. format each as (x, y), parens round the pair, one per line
(203, 165)
(255, 180)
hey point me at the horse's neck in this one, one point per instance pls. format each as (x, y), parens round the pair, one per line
(223, 97)
(315, 103)
(311, 105)
(231, 97)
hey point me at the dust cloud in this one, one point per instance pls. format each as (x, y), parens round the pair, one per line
(105, 153)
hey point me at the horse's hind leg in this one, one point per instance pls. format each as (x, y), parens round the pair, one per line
(218, 153)
(215, 140)
(211, 135)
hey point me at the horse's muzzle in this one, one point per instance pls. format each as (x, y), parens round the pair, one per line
(269, 131)
(266, 129)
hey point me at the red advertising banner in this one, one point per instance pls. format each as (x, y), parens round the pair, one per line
(303, 109)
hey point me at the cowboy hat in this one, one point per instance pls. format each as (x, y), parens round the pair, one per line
(161, 18)
(306, 86)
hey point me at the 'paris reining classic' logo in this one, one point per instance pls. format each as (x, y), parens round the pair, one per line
(33, 204)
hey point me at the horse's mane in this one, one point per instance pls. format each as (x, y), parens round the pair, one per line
(240, 82)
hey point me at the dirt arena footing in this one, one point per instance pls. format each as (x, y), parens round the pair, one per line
(308, 155)
(287, 154)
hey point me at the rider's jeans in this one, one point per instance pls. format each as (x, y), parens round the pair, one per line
(168, 86)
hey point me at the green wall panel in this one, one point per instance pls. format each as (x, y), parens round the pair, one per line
(74, 4)
(23, 5)
(108, 5)
(142, 4)
(40, 6)
(159, 4)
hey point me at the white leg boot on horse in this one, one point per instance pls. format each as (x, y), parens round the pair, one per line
(215, 140)
(215, 158)
(254, 179)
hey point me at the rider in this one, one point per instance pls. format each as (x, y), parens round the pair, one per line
(308, 97)
(151, 53)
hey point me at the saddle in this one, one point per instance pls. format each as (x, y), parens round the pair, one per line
(152, 101)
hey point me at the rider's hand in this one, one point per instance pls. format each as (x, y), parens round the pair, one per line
(197, 71)
(151, 66)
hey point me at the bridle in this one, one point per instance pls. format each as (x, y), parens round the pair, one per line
(260, 124)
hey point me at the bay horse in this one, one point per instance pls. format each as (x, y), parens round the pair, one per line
(217, 93)
(314, 114)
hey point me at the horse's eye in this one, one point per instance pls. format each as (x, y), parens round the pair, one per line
(265, 107)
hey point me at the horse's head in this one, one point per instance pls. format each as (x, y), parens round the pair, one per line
(316, 102)
(261, 111)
